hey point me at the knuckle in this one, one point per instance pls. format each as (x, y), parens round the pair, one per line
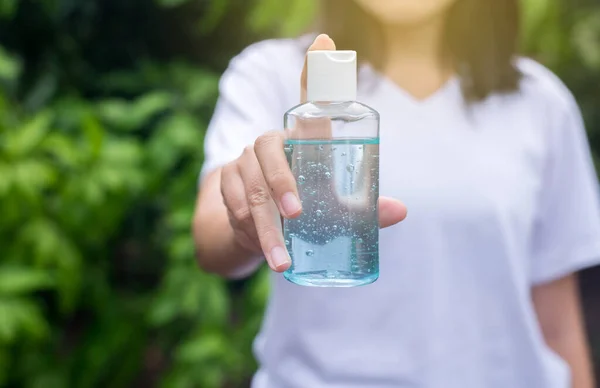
(241, 215)
(248, 151)
(230, 168)
(258, 196)
(267, 233)
(226, 173)
(265, 141)
(277, 177)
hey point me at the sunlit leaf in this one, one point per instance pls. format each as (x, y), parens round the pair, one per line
(10, 67)
(202, 89)
(94, 133)
(181, 248)
(122, 152)
(19, 280)
(167, 305)
(132, 115)
(175, 136)
(180, 217)
(20, 316)
(205, 346)
(62, 148)
(53, 249)
(542, 31)
(163, 311)
(6, 172)
(586, 38)
(288, 18)
(301, 14)
(8, 8)
(259, 288)
(215, 12)
(31, 176)
(215, 305)
(26, 138)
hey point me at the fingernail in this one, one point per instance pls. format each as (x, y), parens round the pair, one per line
(291, 204)
(279, 257)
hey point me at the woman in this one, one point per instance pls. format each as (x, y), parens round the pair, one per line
(478, 286)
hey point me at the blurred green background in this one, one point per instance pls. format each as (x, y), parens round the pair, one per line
(103, 109)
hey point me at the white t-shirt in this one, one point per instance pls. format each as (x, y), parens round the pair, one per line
(501, 196)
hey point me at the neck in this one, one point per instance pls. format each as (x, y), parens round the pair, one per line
(415, 59)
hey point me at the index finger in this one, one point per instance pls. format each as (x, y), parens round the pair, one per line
(276, 171)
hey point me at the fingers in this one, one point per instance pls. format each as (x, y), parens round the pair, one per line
(234, 198)
(391, 211)
(321, 42)
(264, 211)
(276, 171)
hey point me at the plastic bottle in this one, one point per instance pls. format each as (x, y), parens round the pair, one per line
(332, 146)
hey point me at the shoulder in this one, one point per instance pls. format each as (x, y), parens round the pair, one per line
(267, 71)
(541, 87)
(272, 55)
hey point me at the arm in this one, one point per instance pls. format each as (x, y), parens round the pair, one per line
(557, 305)
(238, 213)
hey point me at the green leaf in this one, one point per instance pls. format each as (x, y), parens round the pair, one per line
(134, 115)
(25, 139)
(215, 305)
(259, 288)
(122, 152)
(42, 92)
(94, 133)
(586, 38)
(539, 26)
(62, 148)
(31, 176)
(202, 88)
(8, 8)
(52, 248)
(176, 135)
(20, 316)
(10, 67)
(19, 280)
(213, 16)
(69, 279)
(203, 347)
(181, 248)
(171, 3)
(180, 218)
(300, 15)
(6, 172)
(163, 311)
(289, 18)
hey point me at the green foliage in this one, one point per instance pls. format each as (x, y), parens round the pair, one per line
(101, 129)
(99, 161)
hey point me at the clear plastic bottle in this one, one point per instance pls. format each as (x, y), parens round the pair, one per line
(332, 146)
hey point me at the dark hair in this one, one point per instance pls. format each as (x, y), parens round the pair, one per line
(481, 41)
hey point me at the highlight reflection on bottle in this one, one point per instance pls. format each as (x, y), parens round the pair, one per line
(332, 148)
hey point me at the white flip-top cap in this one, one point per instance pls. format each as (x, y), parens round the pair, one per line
(331, 75)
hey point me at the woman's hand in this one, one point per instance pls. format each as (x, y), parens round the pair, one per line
(258, 189)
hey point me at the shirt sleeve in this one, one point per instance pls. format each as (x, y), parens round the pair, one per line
(567, 231)
(249, 104)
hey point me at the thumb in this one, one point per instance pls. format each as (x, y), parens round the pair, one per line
(391, 211)
(321, 42)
